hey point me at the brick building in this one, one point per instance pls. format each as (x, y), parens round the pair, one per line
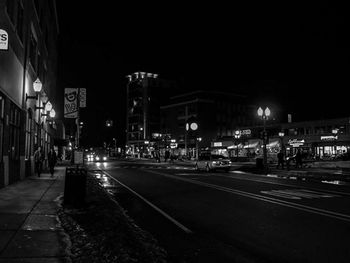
(32, 28)
(217, 114)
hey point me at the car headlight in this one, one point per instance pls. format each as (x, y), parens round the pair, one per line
(97, 158)
(104, 158)
(214, 162)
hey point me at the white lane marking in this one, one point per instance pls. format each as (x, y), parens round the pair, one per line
(277, 183)
(298, 194)
(174, 221)
(306, 208)
(280, 194)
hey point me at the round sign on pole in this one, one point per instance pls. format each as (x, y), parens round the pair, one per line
(194, 126)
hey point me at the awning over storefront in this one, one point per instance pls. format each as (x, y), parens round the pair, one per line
(273, 143)
(239, 146)
(252, 144)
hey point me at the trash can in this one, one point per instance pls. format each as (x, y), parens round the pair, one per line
(75, 186)
(259, 163)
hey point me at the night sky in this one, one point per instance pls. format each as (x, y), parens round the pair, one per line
(293, 56)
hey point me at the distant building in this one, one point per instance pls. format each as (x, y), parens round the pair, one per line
(32, 28)
(216, 114)
(145, 93)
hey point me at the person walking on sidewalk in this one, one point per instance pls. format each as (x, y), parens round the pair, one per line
(299, 159)
(52, 160)
(280, 159)
(38, 160)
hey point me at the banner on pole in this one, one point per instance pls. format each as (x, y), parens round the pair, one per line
(70, 103)
(82, 97)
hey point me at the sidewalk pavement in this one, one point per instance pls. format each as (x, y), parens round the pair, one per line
(30, 230)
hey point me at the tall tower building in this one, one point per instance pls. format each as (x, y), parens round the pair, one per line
(145, 93)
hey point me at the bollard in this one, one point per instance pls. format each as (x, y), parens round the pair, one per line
(75, 186)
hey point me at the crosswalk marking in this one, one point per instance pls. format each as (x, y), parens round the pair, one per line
(298, 194)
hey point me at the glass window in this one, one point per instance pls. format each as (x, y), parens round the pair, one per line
(1, 125)
(14, 131)
(20, 20)
(11, 9)
(33, 51)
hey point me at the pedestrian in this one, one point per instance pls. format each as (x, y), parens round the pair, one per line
(298, 159)
(166, 155)
(280, 159)
(38, 160)
(52, 160)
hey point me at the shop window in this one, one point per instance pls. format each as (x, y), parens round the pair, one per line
(29, 134)
(14, 131)
(20, 20)
(1, 125)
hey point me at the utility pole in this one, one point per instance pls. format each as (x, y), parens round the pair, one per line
(186, 129)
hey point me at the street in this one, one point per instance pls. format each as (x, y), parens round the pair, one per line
(221, 217)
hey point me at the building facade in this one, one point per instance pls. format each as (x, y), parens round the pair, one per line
(215, 114)
(145, 93)
(25, 122)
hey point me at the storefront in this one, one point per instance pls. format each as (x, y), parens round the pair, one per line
(332, 146)
(319, 147)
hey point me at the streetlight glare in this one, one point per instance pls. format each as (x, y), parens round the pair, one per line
(52, 113)
(48, 106)
(37, 85)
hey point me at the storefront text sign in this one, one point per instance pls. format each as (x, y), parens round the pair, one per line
(82, 97)
(70, 103)
(246, 132)
(4, 40)
(329, 138)
(296, 142)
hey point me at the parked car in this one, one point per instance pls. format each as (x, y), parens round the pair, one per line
(211, 162)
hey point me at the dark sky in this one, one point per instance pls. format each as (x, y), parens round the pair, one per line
(294, 56)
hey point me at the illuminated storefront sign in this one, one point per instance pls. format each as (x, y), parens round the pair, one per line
(246, 132)
(217, 144)
(173, 145)
(4, 40)
(296, 142)
(329, 138)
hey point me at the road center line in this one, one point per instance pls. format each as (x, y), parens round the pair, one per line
(174, 221)
(309, 209)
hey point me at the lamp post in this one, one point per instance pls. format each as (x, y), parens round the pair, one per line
(281, 135)
(264, 114)
(190, 125)
(237, 136)
(198, 140)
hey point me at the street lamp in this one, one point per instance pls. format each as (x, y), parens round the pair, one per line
(37, 86)
(237, 136)
(198, 140)
(191, 125)
(264, 114)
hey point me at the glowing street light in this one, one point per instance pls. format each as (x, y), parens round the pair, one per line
(264, 114)
(37, 86)
(52, 113)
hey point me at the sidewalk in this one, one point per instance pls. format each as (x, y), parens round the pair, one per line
(30, 231)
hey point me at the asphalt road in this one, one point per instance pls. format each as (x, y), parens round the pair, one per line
(232, 217)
